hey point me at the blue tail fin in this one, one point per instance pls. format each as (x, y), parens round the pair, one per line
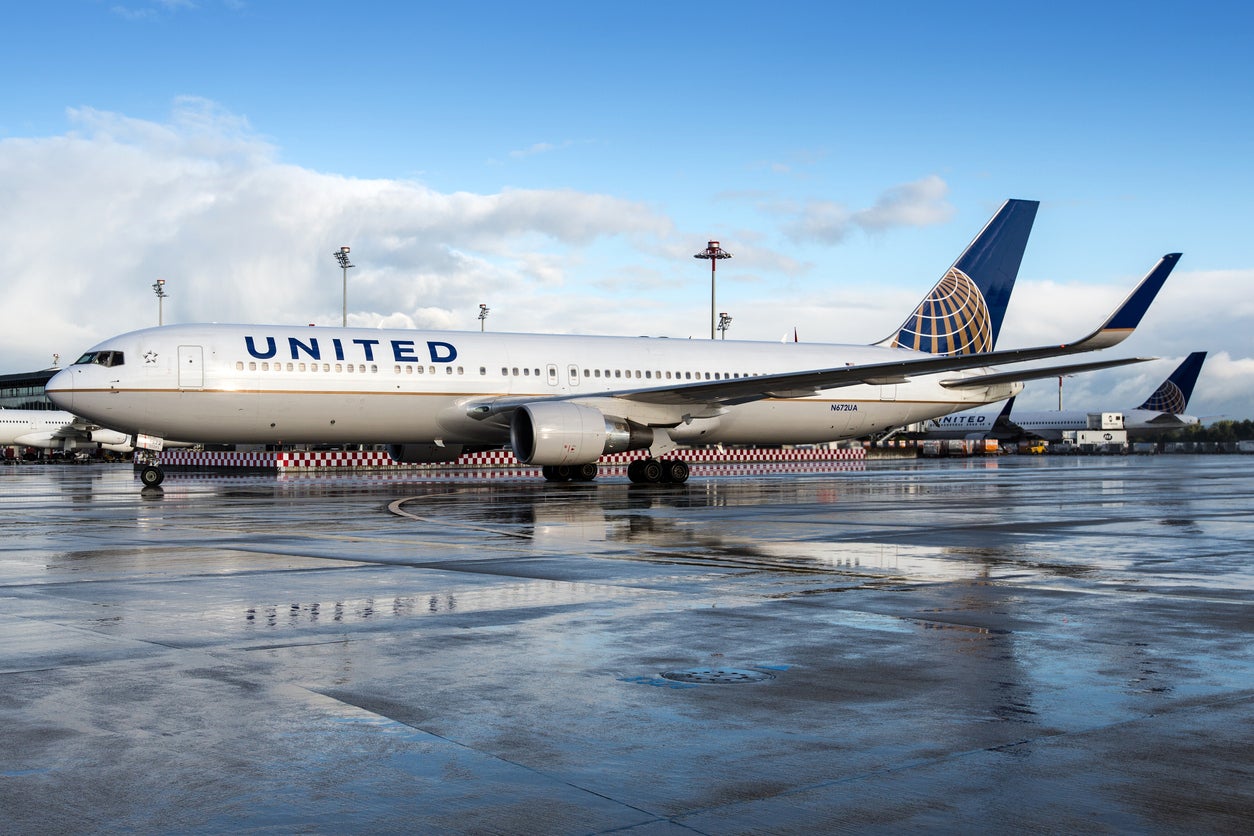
(1174, 393)
(963, 312)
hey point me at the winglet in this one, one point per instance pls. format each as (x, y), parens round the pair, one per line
(1127, 316)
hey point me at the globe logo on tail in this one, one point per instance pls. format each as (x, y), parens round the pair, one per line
(1167, 398)
(953, 319)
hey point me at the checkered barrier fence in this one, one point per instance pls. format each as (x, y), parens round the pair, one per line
(333, 460)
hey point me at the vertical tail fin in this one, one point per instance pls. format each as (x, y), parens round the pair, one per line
(1174, 392)
(963, 313)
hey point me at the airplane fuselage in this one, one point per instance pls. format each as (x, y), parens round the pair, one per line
(267, 384)
(1051, 425)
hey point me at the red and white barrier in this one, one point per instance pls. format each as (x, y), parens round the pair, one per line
(372, 460)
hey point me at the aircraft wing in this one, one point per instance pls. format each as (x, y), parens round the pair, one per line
(1117, 328)
(729, 392)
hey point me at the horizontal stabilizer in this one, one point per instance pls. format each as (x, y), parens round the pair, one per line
(980, 381)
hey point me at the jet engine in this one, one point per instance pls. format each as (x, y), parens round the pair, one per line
(557, 433)
(113, 438)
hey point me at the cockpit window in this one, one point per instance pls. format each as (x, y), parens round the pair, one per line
(100, 358)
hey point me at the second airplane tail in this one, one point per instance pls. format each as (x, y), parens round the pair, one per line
(1174, 392)
(963, 313)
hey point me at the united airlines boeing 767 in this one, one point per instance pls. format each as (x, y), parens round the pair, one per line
(563, 401)
(1162, 410)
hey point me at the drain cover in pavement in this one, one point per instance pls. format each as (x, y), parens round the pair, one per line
(717, 676)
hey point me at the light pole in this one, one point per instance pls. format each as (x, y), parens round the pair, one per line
(158, 287)
(713, 252)
(341, 256)
(724, 322)
(483, 315)
(1060, 377)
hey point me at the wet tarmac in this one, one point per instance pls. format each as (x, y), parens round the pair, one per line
(1042, 645)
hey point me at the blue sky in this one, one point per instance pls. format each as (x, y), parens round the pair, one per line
(561, 162)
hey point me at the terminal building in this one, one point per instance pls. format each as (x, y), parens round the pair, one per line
(26, 390)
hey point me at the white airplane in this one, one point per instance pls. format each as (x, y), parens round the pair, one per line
(55, 429)
(563, 401)
(1163, 410)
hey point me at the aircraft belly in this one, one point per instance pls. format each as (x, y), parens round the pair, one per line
(813, 421)
(297, 418)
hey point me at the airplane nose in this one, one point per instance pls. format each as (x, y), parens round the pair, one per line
(60, 389)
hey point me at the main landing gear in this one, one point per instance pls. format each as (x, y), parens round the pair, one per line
(641, 471)
(653, 471)
(570, 472)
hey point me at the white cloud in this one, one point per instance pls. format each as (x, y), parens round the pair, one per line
(921, 203)
(917, 204)
(96, 216)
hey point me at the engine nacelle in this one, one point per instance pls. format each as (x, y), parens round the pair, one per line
(424, 453)
(560, 432)
(111, 437)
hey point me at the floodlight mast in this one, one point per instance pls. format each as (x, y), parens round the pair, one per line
(724, 322)
(341, 255)
(713, 252)
(483, 315)
(158, 287)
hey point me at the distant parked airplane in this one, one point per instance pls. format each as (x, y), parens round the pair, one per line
(1163, 410)
(55, 429)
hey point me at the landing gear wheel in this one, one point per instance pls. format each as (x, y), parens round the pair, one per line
(646, 471)
(556, 473)
(585, 472)
(151, 476)
(675, 470)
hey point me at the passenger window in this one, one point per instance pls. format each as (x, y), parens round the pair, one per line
(265, 367)
(239, 365)
(252, 365)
